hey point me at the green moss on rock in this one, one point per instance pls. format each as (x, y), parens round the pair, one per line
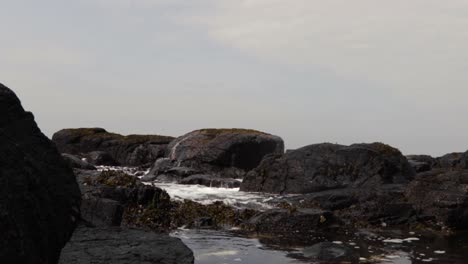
(88, 133)
(218, 131)
(116, 178)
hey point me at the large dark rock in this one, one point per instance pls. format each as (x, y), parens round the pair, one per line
(39, 196)
(329, 166)
(132, 150)
(441, 196)
(227, 153)
(124, 246)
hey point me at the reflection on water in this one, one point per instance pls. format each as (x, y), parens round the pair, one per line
(217, 247)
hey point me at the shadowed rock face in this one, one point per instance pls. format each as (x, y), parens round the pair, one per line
(39, 196)
(329, 166)
(441, 195)
(219, 152)
(132, 150)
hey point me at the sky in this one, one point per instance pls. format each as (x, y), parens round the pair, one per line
(310, 71)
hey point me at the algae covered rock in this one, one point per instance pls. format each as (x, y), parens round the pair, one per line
(131, 150)
(39, 196)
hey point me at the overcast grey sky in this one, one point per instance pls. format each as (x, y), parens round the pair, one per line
(310, 71)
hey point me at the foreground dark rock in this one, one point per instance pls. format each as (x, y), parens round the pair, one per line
(226, 153)
(132, 150)
(124, 246)
(39, 196)
(441, 197)
(329, 166)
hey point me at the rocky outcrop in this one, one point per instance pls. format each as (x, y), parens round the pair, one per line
(225, 153)
(132, 150)
(106, 196)
(39, 196)
(441, 197)
(453, 161)
(327, 166)
(124, 246)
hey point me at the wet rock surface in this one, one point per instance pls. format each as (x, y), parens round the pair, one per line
(131, 150)
(39, 196)
(329, 166)
(289, 222)
(120, 245)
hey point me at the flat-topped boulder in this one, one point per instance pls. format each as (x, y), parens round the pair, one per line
(221, 152)
(131, 150)
(39, 196)
(328, 166)
(124, 246)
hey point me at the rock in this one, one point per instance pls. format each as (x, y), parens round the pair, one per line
(39, 196)
(329, 166)
(421, 163)
(107, 195)
(453, 161)
(77, 163)
(124, 246)
(289, 221)
(101, 211)
(148, 178)
(227, 153)
(211, 181)
(330, 252)
(99, 158)
(132, 150)
(441, 196)
(328, 200)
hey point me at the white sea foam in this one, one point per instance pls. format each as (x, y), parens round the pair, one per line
(207, 195)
